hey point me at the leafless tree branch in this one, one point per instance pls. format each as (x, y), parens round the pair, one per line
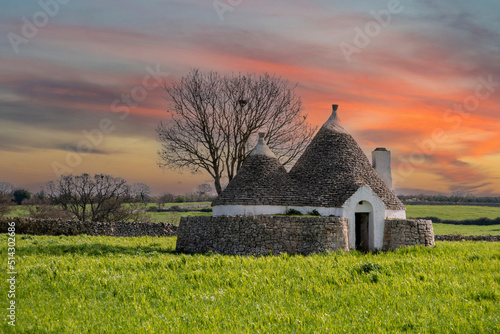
(215, 118)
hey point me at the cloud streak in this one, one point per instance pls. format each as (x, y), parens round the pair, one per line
(395, 93)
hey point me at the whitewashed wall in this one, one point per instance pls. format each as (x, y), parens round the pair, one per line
(377, 216)
(322, 211)
(254, 210)
(247, 210)
(395, 214)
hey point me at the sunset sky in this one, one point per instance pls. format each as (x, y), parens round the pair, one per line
(421, 78)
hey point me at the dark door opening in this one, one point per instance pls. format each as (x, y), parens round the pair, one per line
(362, 221)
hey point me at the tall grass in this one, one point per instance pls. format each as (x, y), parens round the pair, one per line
(88, 284)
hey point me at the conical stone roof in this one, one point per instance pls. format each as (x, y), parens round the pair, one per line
(261, 180)
(333, 168)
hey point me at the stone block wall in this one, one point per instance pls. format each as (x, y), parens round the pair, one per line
(61, 227)
(458, 237)
(261, 235)
(407, 232)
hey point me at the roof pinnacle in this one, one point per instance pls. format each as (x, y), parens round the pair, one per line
(261, 148)
(333, 123)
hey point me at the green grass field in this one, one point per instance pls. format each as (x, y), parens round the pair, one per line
(452, 212)
(88, 284)
(19, 211)
(466, 229)
(457, 212)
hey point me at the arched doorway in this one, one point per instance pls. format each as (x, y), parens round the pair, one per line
(363, 226)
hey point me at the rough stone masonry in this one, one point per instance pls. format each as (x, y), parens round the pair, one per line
(407, 232)
(262, 235)
(63, 227)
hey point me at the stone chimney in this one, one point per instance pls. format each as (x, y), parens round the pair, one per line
(381, 160)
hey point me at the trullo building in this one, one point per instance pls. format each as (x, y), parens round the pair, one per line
(334, 178)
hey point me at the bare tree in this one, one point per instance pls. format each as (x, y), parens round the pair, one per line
(46, 211)
(39, 206)
(204, 192)
(204, 189)
(214, 120)
(97, 198)
(6, 193)
(165, 198)
(5, 204)
(140, 192)
(6, 188)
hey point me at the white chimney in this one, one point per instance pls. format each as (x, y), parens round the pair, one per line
(381, 160)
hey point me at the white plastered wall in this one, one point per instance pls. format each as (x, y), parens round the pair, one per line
(247, 210)
(322, 211)
(377, 216)
(395, 214)
(250, 210)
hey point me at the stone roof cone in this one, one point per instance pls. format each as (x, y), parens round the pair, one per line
(333, 168)
(261, 180)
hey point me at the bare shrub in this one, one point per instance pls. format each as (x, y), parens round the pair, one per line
(99, 198)
(46, 211)
(5, 204)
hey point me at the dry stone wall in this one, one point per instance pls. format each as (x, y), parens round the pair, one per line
(261, 235)
(61, 227)
(458, 237)
(407, 232)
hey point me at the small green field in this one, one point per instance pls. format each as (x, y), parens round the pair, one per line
(86, 284)
(452, 212)
(440, 229)
(19, 211)
(457, 212)
(173, 217)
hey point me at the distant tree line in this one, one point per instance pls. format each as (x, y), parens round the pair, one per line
(456, 198)
(9, 196)
(204, 193)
